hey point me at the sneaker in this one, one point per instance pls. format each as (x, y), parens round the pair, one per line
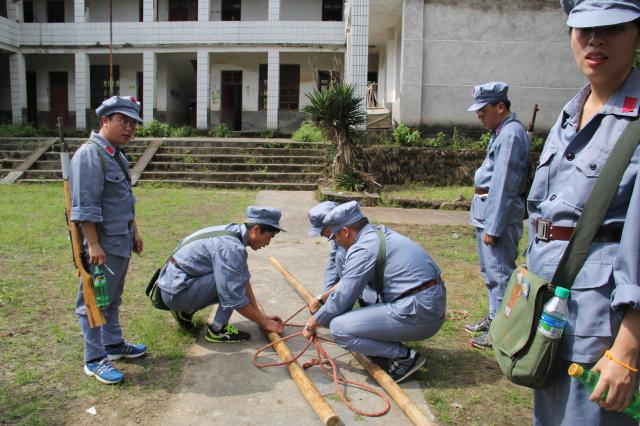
(400, 369)
(183, 319)
(126, 350)
(228, 334)
(481, 326)
(104, 371)
(482, 341)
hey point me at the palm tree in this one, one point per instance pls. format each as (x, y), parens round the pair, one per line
(338, 111)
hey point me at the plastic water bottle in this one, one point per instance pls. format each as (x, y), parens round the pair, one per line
(554, 314)
(590, 379)
(100, 287)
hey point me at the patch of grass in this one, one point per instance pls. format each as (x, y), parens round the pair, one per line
(440, 193)
(41, 378)
(464, 385)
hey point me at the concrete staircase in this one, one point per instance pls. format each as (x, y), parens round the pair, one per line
(207, 162)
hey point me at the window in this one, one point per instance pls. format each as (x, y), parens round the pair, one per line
(289, 87)
(27, 8)
(230, 10)
(326, 78)
(332, 10)
(3, 8)
(55, 11)
(99, 82)
(262, 87)
(183, 10)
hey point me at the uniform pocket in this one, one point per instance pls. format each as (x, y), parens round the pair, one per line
(540, 186)
(479, 208)
(115, 228)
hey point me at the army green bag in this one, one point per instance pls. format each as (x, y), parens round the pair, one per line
(525, 356)
(153, 291)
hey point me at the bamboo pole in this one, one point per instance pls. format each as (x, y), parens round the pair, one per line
(306, 386)
(399, 396)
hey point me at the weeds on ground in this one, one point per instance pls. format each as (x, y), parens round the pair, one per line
(308, 132)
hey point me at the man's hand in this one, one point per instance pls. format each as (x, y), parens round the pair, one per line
(273, 325)
(489, 240)
(96, 254)
(308, 332)
(138, 244)
(314, 306)
(617, 381)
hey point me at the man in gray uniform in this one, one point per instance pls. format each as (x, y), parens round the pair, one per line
(412, 297)
(497, 209)
(210, 266)
(336, 256)
(103, 203)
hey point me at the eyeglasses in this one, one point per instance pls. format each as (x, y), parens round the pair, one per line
(126, 122)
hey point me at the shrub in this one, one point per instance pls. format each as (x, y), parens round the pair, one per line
(269, 134)
(308, 132)
(220, 130)
(18, 130)
(155, 129)
(404, 136)
(537, 144)
(350, 181)
(181, 131)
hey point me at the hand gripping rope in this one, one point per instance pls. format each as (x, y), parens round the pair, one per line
(322, 358)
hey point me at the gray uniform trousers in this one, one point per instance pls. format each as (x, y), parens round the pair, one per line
(375, 330)
(199, 294)
(498, 262)
(110, 333)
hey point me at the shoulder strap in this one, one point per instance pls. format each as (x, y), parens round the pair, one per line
(596, 207)
(116, 157)
(103, 162)
(211, 234)
(380, 261)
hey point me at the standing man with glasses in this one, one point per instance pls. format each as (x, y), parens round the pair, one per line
(102, 202)
(497, 209)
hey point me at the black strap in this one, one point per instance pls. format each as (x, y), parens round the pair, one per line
(597, 205)
(210, 234)
(380, 262)
(117, 156)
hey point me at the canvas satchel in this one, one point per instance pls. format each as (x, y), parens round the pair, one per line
(153, 291)
(525, 356)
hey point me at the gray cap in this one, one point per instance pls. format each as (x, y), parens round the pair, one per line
(344, 215)
(600, 13)
(126, 105)
(317, 214)
(488, 93)
(264, 216)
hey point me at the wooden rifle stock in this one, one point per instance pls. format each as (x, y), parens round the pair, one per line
(532, 123)
(96, 319)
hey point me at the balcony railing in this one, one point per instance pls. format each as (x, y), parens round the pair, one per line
(8, 34)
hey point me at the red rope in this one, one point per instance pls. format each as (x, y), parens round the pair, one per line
(322, 358)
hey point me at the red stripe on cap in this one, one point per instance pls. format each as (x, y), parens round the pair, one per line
(629, 104)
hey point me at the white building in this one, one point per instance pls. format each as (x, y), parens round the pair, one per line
(250, 63)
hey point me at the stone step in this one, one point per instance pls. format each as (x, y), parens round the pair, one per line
(237, 150)
(232, 176)
(231, 142)
(234, 158)
(223, 167)
(35, 173)
(289, 186)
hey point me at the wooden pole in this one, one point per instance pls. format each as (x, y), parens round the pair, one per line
(306, 386)
(399, 396)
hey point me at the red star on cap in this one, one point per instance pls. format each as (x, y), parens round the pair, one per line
(132, 99)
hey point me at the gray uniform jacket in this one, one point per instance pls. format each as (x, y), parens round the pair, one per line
(333, 271)
(222, 258)
(504, 174)
(103, 198)
(609, 281)
(407, 266)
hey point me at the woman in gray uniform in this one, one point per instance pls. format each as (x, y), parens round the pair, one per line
(605, 297)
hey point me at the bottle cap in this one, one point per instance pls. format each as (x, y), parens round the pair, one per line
(575, 370)
(562, 292)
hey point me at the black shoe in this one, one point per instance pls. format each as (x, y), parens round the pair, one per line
(228, 334)
(400, 369)
(184, 320)
(482, 341)
(481, 326)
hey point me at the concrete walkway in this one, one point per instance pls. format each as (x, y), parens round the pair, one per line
(220, 385)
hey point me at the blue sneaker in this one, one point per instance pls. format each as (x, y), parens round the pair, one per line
(126, 350)
(104, 371)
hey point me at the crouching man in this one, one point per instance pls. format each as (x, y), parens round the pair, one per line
(210, 266)
(412, 296)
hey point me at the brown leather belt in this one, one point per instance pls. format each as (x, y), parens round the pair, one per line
(546, 231)
(425, 285)
(481, 191)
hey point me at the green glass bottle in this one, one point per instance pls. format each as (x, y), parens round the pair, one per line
(590, 379)
(100, 287)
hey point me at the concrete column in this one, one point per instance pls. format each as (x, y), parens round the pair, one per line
(204, 10)
(79, 11)
(148, 11)
(203, 77)
(273, 89)
(274, 10)
(149, 85)
(18, 87)
(15, 12)
(411, 56)
(82, 89)
(357, 53)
